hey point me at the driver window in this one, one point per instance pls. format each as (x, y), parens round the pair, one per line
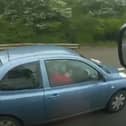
(63, 72)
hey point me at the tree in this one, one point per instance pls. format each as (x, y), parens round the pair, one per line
(102, 8)
(39, 14)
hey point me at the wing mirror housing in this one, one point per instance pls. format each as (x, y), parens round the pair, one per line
(122, 45)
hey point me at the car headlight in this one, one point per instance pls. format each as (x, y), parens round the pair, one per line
(122, 74)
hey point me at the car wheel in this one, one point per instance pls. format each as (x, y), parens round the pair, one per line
(117, 101)
(8, 121)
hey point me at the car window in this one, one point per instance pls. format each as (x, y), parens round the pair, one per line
(26, 76)
(64, 72)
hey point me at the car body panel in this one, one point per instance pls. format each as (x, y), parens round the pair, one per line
(70, 100)
(79, 98)
(48, 103)
(27, 105)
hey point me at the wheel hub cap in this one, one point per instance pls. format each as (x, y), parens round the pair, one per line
(118, 102)
(6, 123)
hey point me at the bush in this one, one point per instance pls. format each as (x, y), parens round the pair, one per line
(83, 29)
(108, 28)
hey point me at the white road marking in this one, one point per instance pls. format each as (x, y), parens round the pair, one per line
(99, 62)
(121, 69)
(96, 60)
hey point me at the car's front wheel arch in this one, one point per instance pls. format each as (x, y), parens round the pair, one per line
(14, 118)
(117, 91)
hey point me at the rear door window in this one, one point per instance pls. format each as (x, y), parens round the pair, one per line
(26, 76)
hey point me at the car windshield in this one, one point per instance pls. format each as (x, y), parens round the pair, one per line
(1, 63)
(90, 27)
(107, 68)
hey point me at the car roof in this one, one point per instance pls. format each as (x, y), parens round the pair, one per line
(27, 51)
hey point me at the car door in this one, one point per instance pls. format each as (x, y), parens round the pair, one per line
(84, 91)
(22, 93)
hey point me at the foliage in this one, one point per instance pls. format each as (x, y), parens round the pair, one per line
(61, 20)
(102, 8)
(39, 14)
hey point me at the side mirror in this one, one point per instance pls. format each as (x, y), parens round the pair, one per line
(122, 45)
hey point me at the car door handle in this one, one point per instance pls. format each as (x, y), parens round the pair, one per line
(53, 96)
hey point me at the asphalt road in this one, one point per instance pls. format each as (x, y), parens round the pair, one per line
(106, 55)
(98, 118)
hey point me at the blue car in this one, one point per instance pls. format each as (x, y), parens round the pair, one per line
(39, 84)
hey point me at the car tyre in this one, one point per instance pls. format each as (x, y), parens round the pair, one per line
(8, 121)
(117, 101)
